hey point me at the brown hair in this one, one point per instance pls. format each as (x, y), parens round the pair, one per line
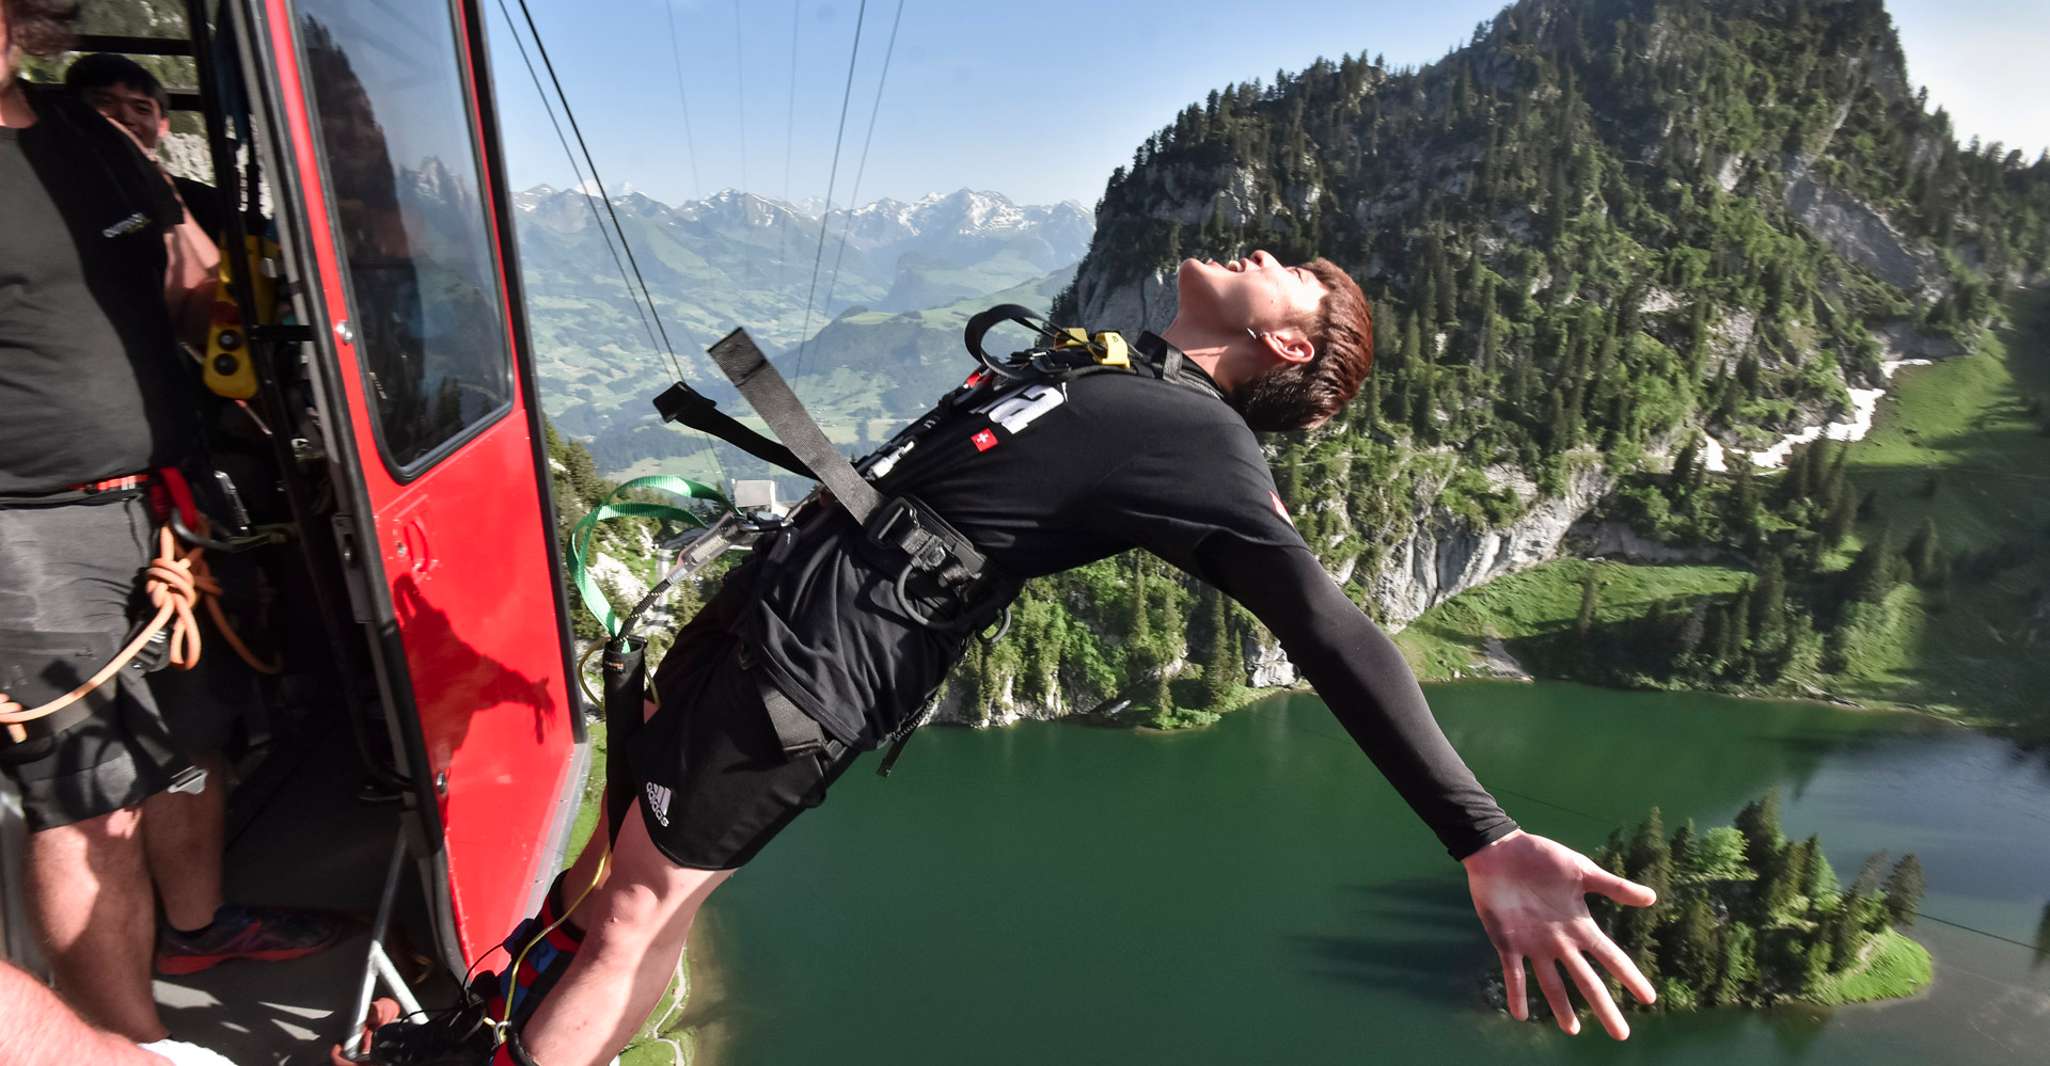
(40, 27)
(1301, 395)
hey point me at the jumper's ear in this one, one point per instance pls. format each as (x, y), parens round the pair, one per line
(1289, 345)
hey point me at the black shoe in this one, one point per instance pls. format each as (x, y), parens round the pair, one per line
(462, 1036)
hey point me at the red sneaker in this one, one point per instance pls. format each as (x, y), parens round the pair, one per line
(265, 934)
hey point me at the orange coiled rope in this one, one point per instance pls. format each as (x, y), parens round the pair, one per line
(175, 579)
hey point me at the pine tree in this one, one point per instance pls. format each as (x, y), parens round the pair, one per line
(1696, 944)
(1778, 882)
(1769, 606)
(1685, 468)
(1817, 878)
(1649, 862)
(1224, 665)
(1737, 967)
(1738, 636)
(1842, 932)
(1843, 517)
(1743, 514)
(1876, 570)
(1759, 821)
(1683, 849)
(1800, 863)
(1904, 891)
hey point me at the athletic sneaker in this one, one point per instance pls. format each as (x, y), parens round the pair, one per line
(266, 934)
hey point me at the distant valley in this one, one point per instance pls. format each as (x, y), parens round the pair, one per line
(895, 281)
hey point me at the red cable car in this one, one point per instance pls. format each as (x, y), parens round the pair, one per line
(403, 450)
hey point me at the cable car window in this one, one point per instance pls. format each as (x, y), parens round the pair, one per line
(395, 129)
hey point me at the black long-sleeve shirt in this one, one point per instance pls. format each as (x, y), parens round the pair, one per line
(1045, 478)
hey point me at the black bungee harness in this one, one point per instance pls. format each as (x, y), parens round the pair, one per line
(938, 578)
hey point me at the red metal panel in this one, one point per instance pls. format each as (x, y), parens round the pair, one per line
(463, 548)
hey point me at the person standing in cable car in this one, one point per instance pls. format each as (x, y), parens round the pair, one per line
(102, 272)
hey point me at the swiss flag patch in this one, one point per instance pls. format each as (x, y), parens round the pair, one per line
(1275, 499)
(984, 440)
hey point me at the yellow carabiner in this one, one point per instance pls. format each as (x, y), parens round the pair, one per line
(1110, 350)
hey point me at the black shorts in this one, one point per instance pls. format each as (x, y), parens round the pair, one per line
(713, 780)
(69, 595)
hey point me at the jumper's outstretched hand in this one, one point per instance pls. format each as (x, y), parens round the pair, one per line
(1530, 893)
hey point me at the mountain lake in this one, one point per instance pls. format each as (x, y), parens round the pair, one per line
(1254, 892)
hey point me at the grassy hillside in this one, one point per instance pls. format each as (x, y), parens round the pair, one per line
(1964, 444)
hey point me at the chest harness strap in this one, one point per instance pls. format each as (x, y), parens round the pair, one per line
(942, 581)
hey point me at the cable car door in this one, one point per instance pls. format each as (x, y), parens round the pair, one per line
(392, 195)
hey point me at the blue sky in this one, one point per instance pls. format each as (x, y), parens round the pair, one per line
(1040, 100)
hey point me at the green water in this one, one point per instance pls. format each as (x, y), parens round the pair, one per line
(1255, 893)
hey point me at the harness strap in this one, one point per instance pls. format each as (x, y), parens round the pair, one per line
(770, 396)
(797, 733)
(626, 692)
(613, 507)
(681, 403)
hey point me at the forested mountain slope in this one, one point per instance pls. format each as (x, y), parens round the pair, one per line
(1598, 226)
(1605, 238)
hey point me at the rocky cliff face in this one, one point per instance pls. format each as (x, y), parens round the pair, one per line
(1444, 555)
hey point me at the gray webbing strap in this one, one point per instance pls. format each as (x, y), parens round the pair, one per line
(796, 731)
(770, 396)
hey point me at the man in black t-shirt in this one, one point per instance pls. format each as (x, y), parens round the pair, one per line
(133, 98)
(807, 657)
(102, 272)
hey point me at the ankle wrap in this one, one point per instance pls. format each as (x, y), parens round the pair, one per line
(544, 962)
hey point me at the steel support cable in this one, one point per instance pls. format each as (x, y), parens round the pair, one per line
(596, 219)
(740, 110)
(690, 148)
(819, 256)
(598, 179)
(647, 295)
(789, 139)
(854, 194)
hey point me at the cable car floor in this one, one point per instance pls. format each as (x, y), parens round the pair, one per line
(301, 834)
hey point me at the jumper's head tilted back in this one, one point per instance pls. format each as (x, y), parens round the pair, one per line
(1293, 342)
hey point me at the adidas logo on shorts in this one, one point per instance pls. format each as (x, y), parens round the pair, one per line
(658, 801)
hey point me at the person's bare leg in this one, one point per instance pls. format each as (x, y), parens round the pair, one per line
(182, 835)
(89, 891)
(635, 926)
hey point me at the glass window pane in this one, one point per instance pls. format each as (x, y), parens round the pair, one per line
(395, 129)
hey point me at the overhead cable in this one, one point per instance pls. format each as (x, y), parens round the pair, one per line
(740, 109)
(789, 139)
(626, 283)
(690, 148)
(854, 194)
(818, 256)
(647, 295)
(599, 180)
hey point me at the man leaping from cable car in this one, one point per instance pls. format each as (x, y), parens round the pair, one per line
(814, 651)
